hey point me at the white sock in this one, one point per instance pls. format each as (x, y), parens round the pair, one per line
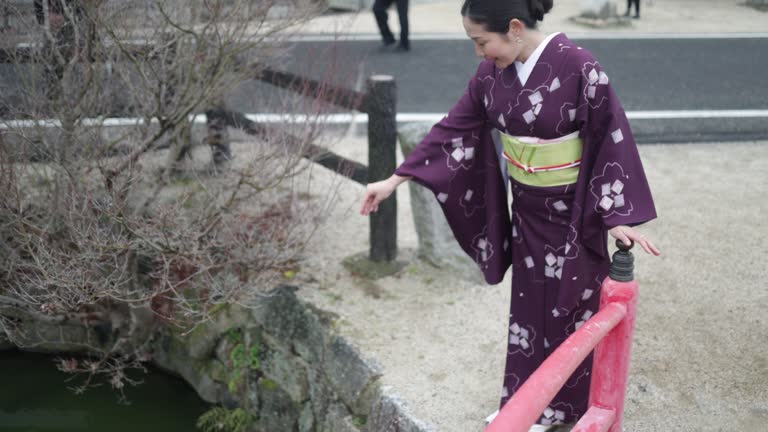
(534, 428)
(490, 418)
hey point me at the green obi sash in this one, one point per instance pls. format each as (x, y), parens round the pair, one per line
(537, 162)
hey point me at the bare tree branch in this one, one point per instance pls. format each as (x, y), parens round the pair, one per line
(102, 220)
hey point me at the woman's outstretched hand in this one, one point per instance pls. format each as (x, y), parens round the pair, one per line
(377, 192)
(628, 234)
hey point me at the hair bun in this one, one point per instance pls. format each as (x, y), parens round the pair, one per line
(539, 8)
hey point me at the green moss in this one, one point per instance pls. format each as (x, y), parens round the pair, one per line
(237, 356)
(360, 265)
(235, 381)
(268, 384)
(412, 270)
(254, 361)
(234, 335)
(219, 419)
(359, 421)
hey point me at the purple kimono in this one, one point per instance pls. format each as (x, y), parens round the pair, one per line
(556, 238)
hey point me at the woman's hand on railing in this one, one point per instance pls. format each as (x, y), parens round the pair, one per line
(377, 192)
(628, 234)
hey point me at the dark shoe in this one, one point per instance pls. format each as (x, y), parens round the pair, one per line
(637, 16)
(386, 46)
(403, 47)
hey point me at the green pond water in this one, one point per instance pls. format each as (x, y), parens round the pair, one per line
(34, 397)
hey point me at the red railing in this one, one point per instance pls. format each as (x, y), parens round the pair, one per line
(611, 330)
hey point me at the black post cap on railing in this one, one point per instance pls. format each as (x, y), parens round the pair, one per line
(623, 263)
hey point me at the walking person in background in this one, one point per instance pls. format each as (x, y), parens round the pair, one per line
(637, 8)
(574, 173)
(6, 12)
(60, 12)
(380, 11)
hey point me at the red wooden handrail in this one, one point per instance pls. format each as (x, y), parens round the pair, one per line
(596, 420)
(610, 370)
(528, 402)
(611, 330)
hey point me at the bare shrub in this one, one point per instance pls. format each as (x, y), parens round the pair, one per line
(120, 226)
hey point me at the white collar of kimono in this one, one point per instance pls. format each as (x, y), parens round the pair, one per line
(524, 69)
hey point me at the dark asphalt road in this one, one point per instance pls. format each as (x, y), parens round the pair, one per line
(648, 75)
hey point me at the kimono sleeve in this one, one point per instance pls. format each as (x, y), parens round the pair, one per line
(457, 161)
(617, 191)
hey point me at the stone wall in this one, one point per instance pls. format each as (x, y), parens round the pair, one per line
(282, 361)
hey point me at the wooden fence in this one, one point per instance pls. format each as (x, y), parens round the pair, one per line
(378, 102)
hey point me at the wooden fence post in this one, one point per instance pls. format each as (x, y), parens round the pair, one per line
(217, 136)
(382, 144)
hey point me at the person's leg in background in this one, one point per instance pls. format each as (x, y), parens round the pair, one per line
(629, 8)
(402, 13)
(380, 12)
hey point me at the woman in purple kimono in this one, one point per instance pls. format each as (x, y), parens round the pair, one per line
(564, 145)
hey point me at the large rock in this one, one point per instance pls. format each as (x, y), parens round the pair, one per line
(350, 5)
(204, 339)
(286, 319)
(45, 337)
(390, 414)
(600, 14)
(339, 420)
(354, 378)
(277, 411)
(287, 370)
(436, 242)
(598, 9)
(307, 418)
(171, 353)
(321, 395)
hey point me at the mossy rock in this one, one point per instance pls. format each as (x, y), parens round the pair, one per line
(217, 371)
(361, 265)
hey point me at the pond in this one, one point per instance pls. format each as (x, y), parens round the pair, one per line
(35, 397)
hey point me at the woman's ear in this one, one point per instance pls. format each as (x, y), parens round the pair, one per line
(515, 28)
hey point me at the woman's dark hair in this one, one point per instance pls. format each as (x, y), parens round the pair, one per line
(495, 15)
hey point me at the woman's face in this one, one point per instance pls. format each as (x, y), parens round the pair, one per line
(503, 50)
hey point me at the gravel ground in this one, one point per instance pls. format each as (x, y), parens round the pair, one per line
(700, 357)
